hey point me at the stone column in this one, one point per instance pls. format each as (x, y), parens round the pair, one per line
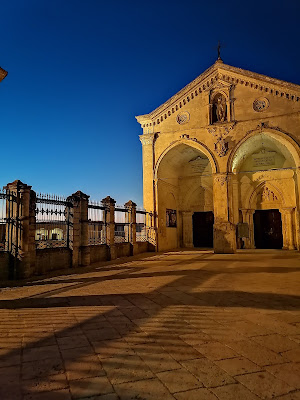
(21, 229)
(109, 204)
(81, 249)
(248, 219)
(187, 228)
(224, 230)
(147, 141)
(287, 228)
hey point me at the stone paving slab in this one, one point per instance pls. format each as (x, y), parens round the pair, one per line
(180, 325)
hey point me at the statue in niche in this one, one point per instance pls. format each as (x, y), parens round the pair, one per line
(219, 109)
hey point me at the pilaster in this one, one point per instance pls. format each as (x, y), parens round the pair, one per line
(187, 228)
(248, 219)
(287, 228)
(147, 141)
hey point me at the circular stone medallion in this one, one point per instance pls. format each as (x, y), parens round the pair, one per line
(183, 117)
(261, 104)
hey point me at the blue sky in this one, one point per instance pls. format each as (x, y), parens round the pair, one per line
(79, 72)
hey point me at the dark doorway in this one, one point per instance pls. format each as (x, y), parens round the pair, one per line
(203, 229)
(268, 229)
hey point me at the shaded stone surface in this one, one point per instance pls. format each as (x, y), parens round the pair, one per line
(177, 325)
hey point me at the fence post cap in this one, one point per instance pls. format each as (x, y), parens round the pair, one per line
(17, 184)
(108, 201)
(79, 194)
(130, 204)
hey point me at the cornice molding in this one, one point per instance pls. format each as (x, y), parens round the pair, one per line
(209, 78)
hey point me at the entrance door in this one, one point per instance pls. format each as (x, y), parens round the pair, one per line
(203, 229)
(268, 229)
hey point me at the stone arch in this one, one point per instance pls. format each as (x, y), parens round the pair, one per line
(278, 136)
(276, 196)
(191, 143)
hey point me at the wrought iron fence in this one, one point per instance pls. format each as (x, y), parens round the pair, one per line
(54, 226)
(10, 226)
(121, 225)
(141, 226)
(97, 223)
(3, 196)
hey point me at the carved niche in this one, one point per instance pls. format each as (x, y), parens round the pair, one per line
(220, 103)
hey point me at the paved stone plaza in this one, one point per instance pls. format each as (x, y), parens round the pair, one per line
(186, 325)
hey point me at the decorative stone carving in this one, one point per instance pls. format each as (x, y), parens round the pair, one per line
(268, 195)
(221, 179)
(221, 147)
(183, 118)
(220, 132)
(266, 124)
(185, 136)
(147, 139)
(261, 104)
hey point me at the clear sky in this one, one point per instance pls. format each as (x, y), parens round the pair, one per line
(79, 72)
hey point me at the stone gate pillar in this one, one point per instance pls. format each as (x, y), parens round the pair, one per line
(81, 250)
(131, 219)
(224, 230)
(109, 204)
(21, 229)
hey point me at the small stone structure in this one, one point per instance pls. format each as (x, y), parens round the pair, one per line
(226, 145)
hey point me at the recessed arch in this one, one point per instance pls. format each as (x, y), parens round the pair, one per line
(287, 144)
(252, 199)
(192, 144)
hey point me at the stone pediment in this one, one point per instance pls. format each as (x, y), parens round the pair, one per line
(218, 76)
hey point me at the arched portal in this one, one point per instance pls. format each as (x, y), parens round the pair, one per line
(184, 187)
(265, 189)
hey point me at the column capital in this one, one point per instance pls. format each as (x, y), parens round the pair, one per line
(147, 139)
(247, 210)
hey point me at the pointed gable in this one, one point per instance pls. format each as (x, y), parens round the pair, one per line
(219, 76)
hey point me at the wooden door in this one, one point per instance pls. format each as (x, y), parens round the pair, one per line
(268, 229)
(203, 229)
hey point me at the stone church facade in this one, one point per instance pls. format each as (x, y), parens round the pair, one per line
(221, 163)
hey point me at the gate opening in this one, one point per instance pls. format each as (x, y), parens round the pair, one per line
(203, 229)
(268, 229)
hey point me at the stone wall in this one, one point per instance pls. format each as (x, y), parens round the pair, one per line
(52, 260)
(4, 266)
